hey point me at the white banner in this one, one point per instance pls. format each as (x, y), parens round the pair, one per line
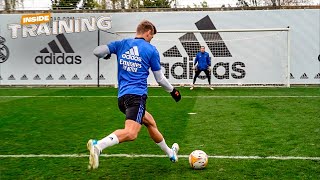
(49, 55)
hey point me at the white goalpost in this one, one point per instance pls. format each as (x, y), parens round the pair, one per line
(239, 57)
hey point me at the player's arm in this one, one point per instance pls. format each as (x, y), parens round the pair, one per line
(160, 78)
(102, 52)
(105, 51)
(163, 82)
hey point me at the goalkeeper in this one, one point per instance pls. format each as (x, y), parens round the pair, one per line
(202, 63)
(135, 57)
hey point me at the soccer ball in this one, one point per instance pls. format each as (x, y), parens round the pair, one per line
(198, 159)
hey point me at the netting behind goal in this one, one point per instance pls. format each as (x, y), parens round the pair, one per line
(248, 57)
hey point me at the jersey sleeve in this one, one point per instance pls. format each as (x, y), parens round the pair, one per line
(155, 61)
(114, 47)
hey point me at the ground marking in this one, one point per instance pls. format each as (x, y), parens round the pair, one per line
(153, 156)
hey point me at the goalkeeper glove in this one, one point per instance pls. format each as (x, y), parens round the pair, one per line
(175, 95)
(107, 57)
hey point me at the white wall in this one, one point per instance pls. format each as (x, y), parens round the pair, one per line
(264, 58)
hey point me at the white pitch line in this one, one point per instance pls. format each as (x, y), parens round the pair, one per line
(154, 156)
(162, 96)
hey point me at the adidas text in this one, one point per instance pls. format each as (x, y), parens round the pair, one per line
(226, 67)
(131, 57)
(58, 58)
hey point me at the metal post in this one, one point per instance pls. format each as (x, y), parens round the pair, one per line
(98, 60)
(288, 60)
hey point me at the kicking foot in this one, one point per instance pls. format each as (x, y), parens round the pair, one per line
(175, 149)
(191, 88)
(94, 154)
(211, 88)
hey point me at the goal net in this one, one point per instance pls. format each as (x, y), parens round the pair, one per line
(239, 57)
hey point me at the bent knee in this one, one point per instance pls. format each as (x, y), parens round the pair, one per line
(148, 120)
(131, 136)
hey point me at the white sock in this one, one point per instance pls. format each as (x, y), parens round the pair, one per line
(163, 145)
(108, 141)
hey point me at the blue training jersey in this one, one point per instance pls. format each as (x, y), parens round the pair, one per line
(203, 60)
(135, 57)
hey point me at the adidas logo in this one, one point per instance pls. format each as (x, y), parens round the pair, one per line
(24, 77)
(88, 77)
(291, 76)
(62, 77)
(132, 54)
(304, 76)
(58, 55)
(191, 45)
(101, 77)
(49, 77)
(37, 77)
(75, 77)
(11, 77)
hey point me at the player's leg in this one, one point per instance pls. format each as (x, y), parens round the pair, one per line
(197, 73)
(207, 72)
(129, 133)
(151, 125)
(134, 108)
(157, 137)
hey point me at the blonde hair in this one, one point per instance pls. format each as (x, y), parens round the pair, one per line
(145, 26)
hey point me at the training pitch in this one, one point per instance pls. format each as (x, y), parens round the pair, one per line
(248, 133)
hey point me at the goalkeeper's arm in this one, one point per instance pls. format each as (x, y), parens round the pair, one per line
(102, 52)
(163, 82)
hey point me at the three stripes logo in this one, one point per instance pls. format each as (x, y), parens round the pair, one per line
(191, 45)
(62, 77)
(58, 52)
(127, 64)
(88, 77)
(291, 76)
(304, 76)
(11, 77)
(132, 54)
(24, 77)
(37, 77)
(49, 77)
(101, 77)
(75, 77)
